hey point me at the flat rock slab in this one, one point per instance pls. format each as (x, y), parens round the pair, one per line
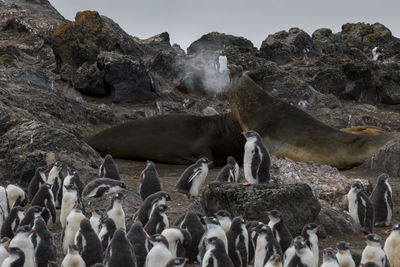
(296, 202)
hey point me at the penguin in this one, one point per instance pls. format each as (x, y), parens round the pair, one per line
(95, 220)
(256, 161)
(149, 181)
(178, 240)
(71, 228)
(139, 240)
(16, 196)
(374, 252)
(2, 217)
(177, 262)
(369, 264)
(42, 239)
(216, 254)
(345, 256)
(73, 258)
(266, 245)
(73, 178)
(213, 229)
(274, 261)
(329, 258)
(278, 227)
(45, 198)
(253, 235)
(381, 199)
(361, 208)
(159, 254)
(22, 241)
(230, 172)
(224, 218)
(193, 225)
(55, 179)
(158, 220)
(309, 233)
(303, 256)
(4, 208)
(392, 246)
(5, 241)
(69, 200)
(377, 54)
(120, 252)
(16, 258)
(37, 180)
(88, 244)
(107, 231)
(193, 178)
(116, 212)
(99, 187)
(108, 169)
(148, 204)
(11, 223)
(238, 242)
(30, 215)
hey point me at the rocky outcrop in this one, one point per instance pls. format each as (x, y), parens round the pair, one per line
(387, 159)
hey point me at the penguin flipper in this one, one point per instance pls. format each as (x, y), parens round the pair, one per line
(196, 172)
(101, 191)
(255, 162)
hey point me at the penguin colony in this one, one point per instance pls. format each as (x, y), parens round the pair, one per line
(101, 238)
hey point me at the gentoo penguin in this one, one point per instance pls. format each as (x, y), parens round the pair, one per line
(99, 187)
(345, 256)
(377, 54)
(159, 254)
(120, 252)
(116, 212)
(108, 169)
(73, 258)
(44, 198)
(107, 231)
(4, 208)
(266, 245)
(392, 246)
(178, 240)
(193, 178)
(42, 239)
(309, 233)
(16, 196)
(256, 161)
(177, 262)
(238, 242)
(16, 258)
(88, 244)
(73, 178)
(71, 228)
(253, 235)
(149, 181)
(69, 200)
(230, 172)
(361, 208)
(216, 254)
(55, 179)
(5, 241)
(213, 229)
(158, 220)
(279, 229)
(37, 180)
(30, 215)
(139, 241)
(329, 258)
(11, 223)
(155, 199)
(193, 225)
(95, 220)
(274, 261)
(381, 199)
(303, 256)
(374, 252)
(22, 241)
(224, 218)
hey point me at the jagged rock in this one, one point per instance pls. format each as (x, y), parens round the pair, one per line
(209, 111)
(360, 84)
(387, 159)
(296, 202)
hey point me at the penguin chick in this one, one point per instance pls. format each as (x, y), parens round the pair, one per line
(42, 239)
(178, 239)
(108, 169)
(216, 254)
(16, 196)
(193, 178)
(5, 241)
(193, 225)
(279, 229)
(266, 245)
(16, 258)
(88, 244)
(116, 212)
(274, 261)
(253, 235)
(381, 199)
(303, 255)
(95, 220)
(107, 231)
(224, 218)
(158, 220)
(4, 208)
(213, 229)
(23, 242)
(148, 205)
(329, 258)
(309, 233)
(361, 208)
(69, 200)
(238, 242)
(44, 198)
(230, 172)
(149, 181)
(71, 228)
(11, 223)
(73, 178)
(101, 186)
(345, 256)
(30, 215)
(373, 252)
(177, 262)
(392, 246)
(73, 258)
(159, 255)
(120, 252)
(55, 179)
(139, 240)
(37, 180)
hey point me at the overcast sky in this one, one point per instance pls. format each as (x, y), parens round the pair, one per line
(188, 20)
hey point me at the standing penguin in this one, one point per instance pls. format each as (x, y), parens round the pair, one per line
(193, 225)
(73, 178)
(373, 252)
(88, 244)
(120, 252)
(11, 223)
(116, 212)
(238, 242)
(392, 246)
(69, 200)
(177, 262)
(36, 182)
(71, 228)
(361, 208)
(107, 231)
(303, 256)
(274, 261)
(216, 254)
(22, 241)
(158, 220)
(140, 242)
(381, 199)
(159, 255)
(149, 203)
(266, 245)
(44, 198)
(224, 218)
(99, 187)
(16, 196)
(253, 235)
(30, 215)
(149, 181)
(16, 258)
(55, 179)
(256, 161)
(42, 239)
(329, 258)
(73, 258)
(213, 229)
(108, 169)
(278, 227)
(193, 178)
(230, 172)
(95, 220)
(178, 240)
(5, 241)
(4, 208)
(309, 233)
(345, 256)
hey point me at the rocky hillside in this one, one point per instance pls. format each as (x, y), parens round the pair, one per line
(63, 80)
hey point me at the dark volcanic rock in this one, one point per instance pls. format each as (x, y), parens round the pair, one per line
(387, 158)
(296, 202)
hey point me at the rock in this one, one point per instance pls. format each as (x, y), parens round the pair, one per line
(209, 111)
(360, 84)
(88, 79)
(387, 159)
(296, 202)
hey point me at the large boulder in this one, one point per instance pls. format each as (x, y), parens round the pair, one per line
(387, 159)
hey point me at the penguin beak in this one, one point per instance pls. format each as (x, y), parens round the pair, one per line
(125, 196)
(9, 240)
(253, 229)
(276, 258)
(318, 226)
(365, 238)
(268, 212)
(33, 230)
(324, 250)
(215, 214)
(206, 240)
(204, 217)
(43, 209)
(186, 259)
(148, 237)
(243, 133)
(296, 245)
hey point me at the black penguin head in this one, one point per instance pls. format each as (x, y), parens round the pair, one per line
(238, 223)
(122, 185)
(165, 195)
(311, 228)
(15, 251)
(40, 224)
(41, 170)
(108, 223)
(162, 208)
(356, 187)
(157, 239)
(231, 161)
(343, 246)
(396, 227)
(4, 241)
(119, 235)
(263, 229)
(299, 242)
(275, 259)
(70, 187)
(251, 135)
(71, 171)
(24, 229)
(35, 210)
(211, 221)
(178, 262)
(85, 226)
(274, 215)
(119, 196)
(382, 178)
(222, 214)
(329, 254)
(58, 165)
(216, 242)
(373, 239)
(150, 164)
(204, 160)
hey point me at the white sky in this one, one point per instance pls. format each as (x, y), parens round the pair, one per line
(187, 20)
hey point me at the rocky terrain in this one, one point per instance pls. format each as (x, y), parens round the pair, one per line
(61, 81)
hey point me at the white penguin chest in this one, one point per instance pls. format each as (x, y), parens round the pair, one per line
(249, 150)
(118, 215)
(159, 255)
(95, 223)
(392, 248)
(307, 257)
(345, 259)
(330, 264)
(198, 181)
(260, 253)
(374, 254)
(208, 256)
(73, 260)
(353, 206)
